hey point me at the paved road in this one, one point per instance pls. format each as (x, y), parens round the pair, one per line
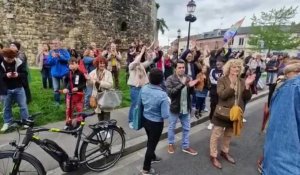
(121, 115)
(246, 150)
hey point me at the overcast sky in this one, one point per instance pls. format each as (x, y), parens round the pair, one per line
(213, 14)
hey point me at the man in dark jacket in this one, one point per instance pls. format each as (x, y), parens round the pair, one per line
(214, 76)
(179, 89)
(22, 56)
(12, 71)
(2, 87)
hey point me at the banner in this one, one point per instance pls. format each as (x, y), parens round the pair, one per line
(231, 32)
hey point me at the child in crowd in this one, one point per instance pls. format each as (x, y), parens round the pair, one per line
(76, 83)
(201, 90)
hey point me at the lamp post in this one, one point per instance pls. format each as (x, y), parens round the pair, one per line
(178, 39)
(191, 6)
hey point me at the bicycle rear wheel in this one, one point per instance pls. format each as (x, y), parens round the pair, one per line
(103, 149)
(29, 165)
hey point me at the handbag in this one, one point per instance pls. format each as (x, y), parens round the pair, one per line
(109, 99)
(222, 112)
(138, 114)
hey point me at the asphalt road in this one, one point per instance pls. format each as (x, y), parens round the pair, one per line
(245, 149)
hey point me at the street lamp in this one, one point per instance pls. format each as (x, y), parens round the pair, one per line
(178, 38)
(191, 6)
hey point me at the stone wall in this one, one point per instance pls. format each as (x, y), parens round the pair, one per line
(76, 22)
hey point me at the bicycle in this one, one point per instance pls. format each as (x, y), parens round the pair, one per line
(96, 152)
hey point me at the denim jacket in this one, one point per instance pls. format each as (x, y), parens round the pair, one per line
(282, 142)
(155, 102)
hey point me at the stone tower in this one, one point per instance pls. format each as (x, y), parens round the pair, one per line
(76, 22)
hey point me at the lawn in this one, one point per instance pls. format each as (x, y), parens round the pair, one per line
(42, 100)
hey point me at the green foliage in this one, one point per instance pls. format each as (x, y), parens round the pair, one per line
(161, 25)
(274, 30)
(157, 5)
(43, 101)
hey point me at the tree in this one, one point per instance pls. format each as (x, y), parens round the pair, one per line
(274, 30)
(161, 23)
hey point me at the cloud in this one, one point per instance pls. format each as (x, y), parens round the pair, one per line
(212, 14)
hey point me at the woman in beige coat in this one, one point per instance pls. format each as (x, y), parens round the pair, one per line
(228, 87)
(101, 79)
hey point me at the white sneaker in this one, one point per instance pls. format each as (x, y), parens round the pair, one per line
(25, 126)
(5, 127)
(244, 120)
(210, 126)
(131, 125)
(205, 109)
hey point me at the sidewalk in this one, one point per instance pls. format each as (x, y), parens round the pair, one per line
(135, 140)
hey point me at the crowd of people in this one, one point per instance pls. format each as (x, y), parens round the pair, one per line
(179, 84)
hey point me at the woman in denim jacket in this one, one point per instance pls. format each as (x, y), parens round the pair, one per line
(156, 109)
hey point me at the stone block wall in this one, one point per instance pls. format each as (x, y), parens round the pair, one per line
(76, 22)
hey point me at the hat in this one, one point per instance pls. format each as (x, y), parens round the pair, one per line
(17, 44)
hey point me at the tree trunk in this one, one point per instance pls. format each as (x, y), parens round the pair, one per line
(269, 50)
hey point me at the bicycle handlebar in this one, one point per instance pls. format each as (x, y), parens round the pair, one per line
(70, 93)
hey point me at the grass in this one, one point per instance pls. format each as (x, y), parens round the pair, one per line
(43, 100)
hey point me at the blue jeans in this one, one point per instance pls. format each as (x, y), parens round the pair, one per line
(200, 103)
(134, 93)
(46, 77)
(56, 81)
(87, 95)
(200, 99)
(185, 123)
(193, 97)
(2, 98)
(15, 95)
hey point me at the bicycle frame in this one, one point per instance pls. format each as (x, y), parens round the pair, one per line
(53, 150)
(66, 163)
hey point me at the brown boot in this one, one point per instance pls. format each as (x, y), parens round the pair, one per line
(227, 157)
(215, 162)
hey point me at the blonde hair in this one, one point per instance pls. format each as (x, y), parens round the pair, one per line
(292, 65)
(233, 62)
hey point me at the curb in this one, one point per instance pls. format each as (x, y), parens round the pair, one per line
(141, 142)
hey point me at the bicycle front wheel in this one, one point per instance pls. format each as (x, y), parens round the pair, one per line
(103, 149)
(28, 165)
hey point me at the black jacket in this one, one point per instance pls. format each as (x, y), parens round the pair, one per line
(20, 67)
(2, 85)
(193, 65)
(158, 57)
(174, 87)
(80, 83)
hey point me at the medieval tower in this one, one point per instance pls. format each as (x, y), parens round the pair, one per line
(76, 22)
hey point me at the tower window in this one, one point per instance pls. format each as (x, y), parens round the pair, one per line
(123, 26)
